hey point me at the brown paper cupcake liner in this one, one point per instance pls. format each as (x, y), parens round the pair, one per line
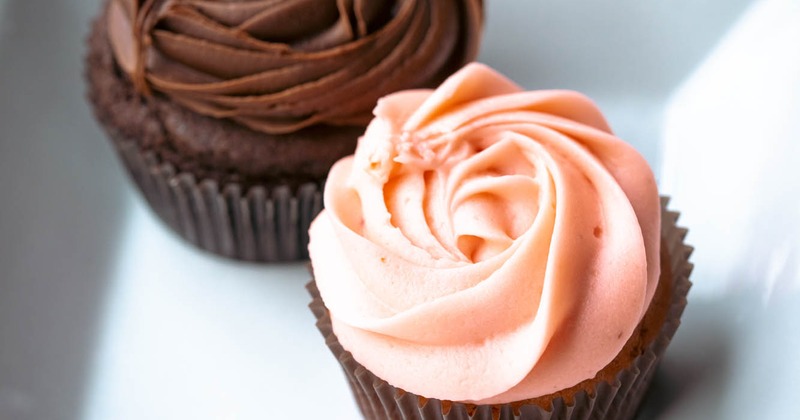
(616, 399)
(264, 223)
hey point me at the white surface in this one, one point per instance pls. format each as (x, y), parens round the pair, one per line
(188, 335)
(732, 150)
(106, 315)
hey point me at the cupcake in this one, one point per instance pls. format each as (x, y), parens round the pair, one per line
(494, 253)
(229, 114)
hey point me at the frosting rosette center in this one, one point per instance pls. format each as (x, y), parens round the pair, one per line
(487, 244)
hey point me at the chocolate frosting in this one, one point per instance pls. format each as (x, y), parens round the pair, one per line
(278, 66)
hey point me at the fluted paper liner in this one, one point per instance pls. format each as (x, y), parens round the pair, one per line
(263, 223)
(617, 398)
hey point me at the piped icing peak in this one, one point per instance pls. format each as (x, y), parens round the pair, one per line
(487, 244)
(280, 66)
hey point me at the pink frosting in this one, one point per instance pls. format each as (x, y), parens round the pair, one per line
(487, 244)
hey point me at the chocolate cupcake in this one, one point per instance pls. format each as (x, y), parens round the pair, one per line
(491, 253)
(229, 114)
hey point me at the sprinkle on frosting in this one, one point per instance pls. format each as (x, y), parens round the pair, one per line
(487, 244)
(279, 66)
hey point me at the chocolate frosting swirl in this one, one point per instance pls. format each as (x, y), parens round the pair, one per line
(278, 66)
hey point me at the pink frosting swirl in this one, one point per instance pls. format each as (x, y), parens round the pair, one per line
(487, 244)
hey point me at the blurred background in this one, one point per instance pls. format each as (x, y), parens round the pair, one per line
(104, 314)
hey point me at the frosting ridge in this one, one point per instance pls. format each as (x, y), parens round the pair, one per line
(487, 244)
(280, 66)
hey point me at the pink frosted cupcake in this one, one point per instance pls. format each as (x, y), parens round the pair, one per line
(495, 253)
